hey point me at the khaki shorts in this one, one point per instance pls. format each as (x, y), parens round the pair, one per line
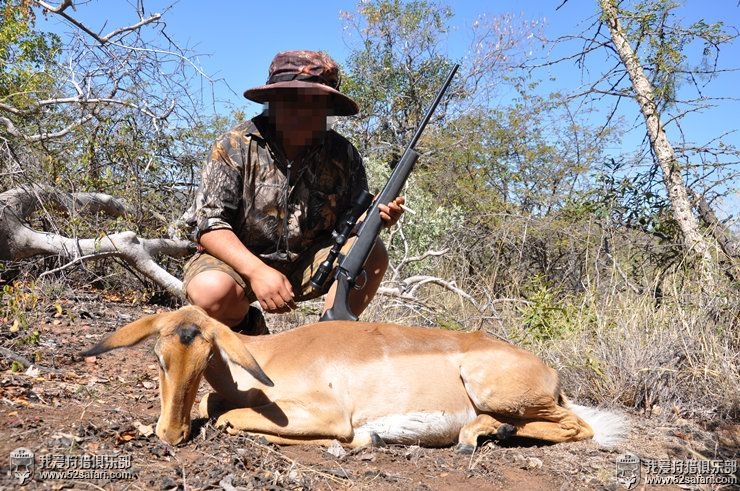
(298, 272)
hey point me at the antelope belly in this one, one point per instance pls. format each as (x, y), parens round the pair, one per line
(436, 428)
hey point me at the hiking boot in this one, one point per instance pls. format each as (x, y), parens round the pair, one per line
(253, 324)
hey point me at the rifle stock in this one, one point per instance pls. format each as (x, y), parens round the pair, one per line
(351, 266)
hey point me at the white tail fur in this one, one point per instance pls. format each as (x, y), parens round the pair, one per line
(610, 427)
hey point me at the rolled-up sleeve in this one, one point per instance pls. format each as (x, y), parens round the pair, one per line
(220, 191)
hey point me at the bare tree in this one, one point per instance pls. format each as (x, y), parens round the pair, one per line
(665, 64)
(673, 176)
(98, 132)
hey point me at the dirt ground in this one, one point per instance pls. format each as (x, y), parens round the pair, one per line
(66, 407)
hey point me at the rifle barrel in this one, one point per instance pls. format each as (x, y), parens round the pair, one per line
(431, 109)
(352, 264)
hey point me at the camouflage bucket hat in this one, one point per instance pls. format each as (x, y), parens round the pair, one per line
(309, 71)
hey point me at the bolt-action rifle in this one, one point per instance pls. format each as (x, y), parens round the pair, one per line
(351, 266)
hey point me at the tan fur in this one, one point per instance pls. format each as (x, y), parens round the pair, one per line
(181, 366)
(351, 381)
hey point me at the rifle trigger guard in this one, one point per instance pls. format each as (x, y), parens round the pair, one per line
(361, 281)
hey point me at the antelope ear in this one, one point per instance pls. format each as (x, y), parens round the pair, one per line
(129, 335)
(231, 347)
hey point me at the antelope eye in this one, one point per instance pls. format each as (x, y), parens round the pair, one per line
(160, 358)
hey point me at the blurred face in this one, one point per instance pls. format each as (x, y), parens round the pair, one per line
(299, 118)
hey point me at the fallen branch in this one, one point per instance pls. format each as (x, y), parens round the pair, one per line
(19, 241)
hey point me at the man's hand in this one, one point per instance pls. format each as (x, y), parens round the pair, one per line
(272, 289)
(391, 213)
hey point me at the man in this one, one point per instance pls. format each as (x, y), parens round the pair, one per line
(272, 192)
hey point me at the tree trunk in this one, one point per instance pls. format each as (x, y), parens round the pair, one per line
(694, 241)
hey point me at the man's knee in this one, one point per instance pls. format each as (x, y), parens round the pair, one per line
(219, 295)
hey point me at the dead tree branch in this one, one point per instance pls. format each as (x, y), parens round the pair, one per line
(408, 288)
(18, 240)
(61, 10)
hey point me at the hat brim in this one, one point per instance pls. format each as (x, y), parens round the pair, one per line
(340, 104)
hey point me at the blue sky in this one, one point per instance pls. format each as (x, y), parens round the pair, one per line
(236, 40)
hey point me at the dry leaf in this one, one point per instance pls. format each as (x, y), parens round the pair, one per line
(125, 436)
(145, 430)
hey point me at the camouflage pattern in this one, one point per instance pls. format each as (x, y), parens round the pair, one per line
(310, 71)
(304, 65)
(278, 210)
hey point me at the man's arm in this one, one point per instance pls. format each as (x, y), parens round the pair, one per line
(272, 289)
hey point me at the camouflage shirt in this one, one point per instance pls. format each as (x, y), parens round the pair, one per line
(277, 209)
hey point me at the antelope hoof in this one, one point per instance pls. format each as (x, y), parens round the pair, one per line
(376, 441)
(505, 431)
(464, 448)
(224, 424)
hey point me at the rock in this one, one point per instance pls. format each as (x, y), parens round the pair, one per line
(336, 449)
